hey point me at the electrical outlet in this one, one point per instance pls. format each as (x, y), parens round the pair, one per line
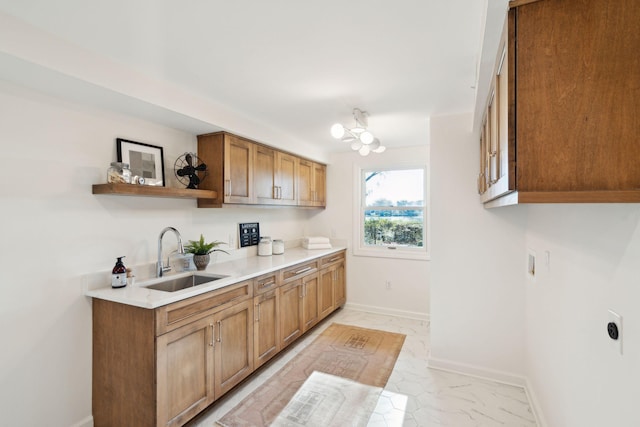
(388, 285)
(531, 265)
(614, 330)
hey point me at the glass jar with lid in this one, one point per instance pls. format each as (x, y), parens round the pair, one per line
(278, 246)
(264, 246)
(119, 173)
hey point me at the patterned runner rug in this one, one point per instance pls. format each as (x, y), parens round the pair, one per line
(329, 401)
(363, 355)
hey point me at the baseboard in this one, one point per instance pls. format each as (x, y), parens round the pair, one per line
(477, 371)
(86, 422)
(493, 375)
(390, 312)
(535, 405)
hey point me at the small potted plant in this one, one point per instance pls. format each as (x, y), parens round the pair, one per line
(201, 251)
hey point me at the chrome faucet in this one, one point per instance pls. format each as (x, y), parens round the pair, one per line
(160, 267)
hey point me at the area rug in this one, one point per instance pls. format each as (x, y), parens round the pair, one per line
(363, 355)
(329, 401)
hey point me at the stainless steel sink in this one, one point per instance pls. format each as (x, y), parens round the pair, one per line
(179, 283)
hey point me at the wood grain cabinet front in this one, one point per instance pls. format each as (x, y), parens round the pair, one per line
(561, 119)
(311, 184)
(162, 366)
(242, 171)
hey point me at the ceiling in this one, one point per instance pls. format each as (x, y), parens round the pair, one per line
(294, 66)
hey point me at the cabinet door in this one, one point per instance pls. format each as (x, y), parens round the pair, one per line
(498, 147)
(319, 184)
(238, 170)
(305, 183)
(264, 178)
(286, 179)
(233, 346)
(310, 312)
(185, 372)
(266, 336)
(340, 285)
(326, 295)
(290, 312)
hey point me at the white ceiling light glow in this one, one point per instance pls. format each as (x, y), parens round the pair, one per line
(359, 137)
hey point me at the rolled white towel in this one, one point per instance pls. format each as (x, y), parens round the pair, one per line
(316, 240)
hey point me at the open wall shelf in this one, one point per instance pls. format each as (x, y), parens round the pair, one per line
(151, 191)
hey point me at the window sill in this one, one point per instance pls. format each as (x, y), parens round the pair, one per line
(392, 253)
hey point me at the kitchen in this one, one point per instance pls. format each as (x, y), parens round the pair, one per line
(487, 318)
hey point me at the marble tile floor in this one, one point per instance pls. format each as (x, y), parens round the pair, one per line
(415, 395)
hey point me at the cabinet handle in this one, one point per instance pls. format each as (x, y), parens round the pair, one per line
(258, 313)
(257, 316)
(264, 285)
(334, 259)
(211, 342)
(302, 271)
(219, 331)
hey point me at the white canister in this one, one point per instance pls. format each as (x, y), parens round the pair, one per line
(278, 246)
(264, 246)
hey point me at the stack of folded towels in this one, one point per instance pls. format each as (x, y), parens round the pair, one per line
(316, 243)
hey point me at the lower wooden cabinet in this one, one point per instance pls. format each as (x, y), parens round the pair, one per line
(332, 293)
(163, 366)
(290, 309)
(340, 285)
(233, 346)
(185, 372)
(201, 361)
(266, 329)
(310, 311)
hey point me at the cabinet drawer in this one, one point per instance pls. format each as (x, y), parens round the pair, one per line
(299, 270)
(172, 316)
(265, 283)
(330, 259)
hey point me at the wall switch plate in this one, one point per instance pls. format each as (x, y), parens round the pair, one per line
(615, 319)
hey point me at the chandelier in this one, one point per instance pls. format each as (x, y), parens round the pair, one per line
(360, 138)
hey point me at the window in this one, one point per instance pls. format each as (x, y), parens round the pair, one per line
(392, 213)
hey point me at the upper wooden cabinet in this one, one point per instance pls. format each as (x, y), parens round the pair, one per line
(561, 122)
(312, 178)
(245, 172)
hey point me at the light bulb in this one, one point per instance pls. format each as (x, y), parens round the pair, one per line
(364, 150)
(337, 131)
(380, 149)
(356, 145)
(366, 137)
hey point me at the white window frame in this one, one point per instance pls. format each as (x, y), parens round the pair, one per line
(400, 252)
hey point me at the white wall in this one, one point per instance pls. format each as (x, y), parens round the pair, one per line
(477, 264)
(577, 376)
(366, 276)
(54, 232)
(488, 318)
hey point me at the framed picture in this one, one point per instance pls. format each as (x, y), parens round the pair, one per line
(144, 160)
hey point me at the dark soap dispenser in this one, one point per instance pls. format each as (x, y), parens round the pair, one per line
(119, 274)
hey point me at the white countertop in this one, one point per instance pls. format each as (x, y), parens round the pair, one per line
(237, 270)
